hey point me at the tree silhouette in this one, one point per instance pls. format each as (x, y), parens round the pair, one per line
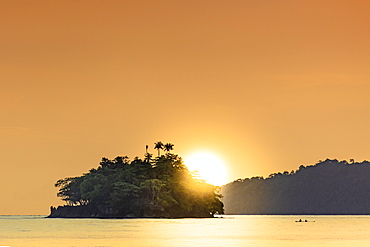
(168, 147)
(158, 145)
(328, 187)
(160, 187)
(148, 157)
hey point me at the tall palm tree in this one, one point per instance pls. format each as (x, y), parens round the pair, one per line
(158, 145)
(168, 147)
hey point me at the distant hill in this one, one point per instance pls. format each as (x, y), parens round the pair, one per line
(328, 187)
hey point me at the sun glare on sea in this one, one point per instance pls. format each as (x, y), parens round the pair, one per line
(209, 166)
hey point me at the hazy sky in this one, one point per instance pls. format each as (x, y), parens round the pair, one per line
(267, 85)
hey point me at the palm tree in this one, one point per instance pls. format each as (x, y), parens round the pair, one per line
(148, 157)
(168, 147)
(158, 145)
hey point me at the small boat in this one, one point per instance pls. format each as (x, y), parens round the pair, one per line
(300, 220)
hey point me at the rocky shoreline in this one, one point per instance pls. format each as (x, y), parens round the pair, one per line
(90, 211)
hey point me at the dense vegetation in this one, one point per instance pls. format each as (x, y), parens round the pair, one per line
(328, 187)
(153, 187)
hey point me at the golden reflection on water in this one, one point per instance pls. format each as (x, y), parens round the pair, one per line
(229, 231)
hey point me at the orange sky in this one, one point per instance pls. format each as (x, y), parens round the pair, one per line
(267, 85)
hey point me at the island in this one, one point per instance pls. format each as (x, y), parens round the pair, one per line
(160, 187)
(329, 187)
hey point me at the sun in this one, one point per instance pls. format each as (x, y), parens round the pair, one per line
(209, 166)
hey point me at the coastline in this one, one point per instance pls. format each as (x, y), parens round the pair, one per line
(92, 212)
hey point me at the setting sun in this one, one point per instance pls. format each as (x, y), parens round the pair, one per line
(209, 167)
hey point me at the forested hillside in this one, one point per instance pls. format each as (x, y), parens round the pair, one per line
(328, 187)
(153, 187)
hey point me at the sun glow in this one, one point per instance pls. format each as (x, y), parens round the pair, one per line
(208, 166)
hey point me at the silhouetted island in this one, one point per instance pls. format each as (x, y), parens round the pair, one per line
(330, 187)
(153, 187)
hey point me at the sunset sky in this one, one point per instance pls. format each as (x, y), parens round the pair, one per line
(266, 85)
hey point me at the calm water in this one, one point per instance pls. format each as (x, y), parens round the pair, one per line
(229, 231)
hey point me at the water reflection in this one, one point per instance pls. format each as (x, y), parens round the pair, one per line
(227, 231)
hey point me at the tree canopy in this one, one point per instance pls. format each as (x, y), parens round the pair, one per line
(160, 187)
(328, 187)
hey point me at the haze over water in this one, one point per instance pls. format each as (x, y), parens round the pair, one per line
(236, 230)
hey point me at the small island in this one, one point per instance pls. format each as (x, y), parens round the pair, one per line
(160, 187)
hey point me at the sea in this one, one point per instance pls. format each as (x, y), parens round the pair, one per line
(226, 230)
